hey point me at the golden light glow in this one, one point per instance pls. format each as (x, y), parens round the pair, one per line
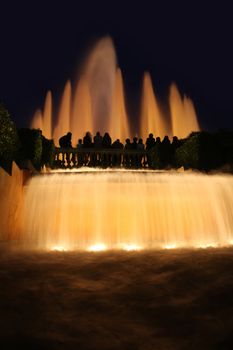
(97, 247)
(130, 247)
(207, 245)
(59, 249)
(170, 246)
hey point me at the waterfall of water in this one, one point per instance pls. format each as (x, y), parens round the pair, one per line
(121, 209)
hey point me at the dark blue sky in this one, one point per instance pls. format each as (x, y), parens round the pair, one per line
(188, 42)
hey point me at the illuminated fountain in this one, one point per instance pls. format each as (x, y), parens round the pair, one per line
(97, 103)
(100, 210)
(183, 115)
(63, 119)
(151, 118)
(128, 210)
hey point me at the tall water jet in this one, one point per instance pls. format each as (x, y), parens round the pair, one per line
(191, 113)
(118, 126)
(37, 120)
(63, 118)
(100, 74)
(183, 115)
(151, 119)
(81, 117)
(47, 116)
(119, 209)
(99, 104)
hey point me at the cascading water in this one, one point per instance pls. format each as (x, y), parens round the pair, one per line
(128, 210)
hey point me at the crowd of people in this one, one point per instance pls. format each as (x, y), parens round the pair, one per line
(101, 151)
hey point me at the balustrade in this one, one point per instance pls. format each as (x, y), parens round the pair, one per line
(76, 158)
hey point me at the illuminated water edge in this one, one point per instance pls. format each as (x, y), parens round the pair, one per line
(101, 247)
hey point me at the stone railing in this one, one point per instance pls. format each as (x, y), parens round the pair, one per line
(93, 157)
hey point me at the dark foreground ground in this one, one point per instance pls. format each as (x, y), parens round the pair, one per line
(128, 301)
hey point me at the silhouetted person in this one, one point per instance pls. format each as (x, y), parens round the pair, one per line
(128, 147)
(165, 152)
(134, 157)
(65, 141)
(87, 143)
(174, 145)
(128, 144)
(106, 143)
(116, 159)
(97, 145)
(80, 154)
(158, 140)
(98, 140)
(140, 148)
(87, 140)
(150, 142)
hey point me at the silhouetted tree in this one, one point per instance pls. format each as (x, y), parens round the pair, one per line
(9, 141)
(225, 140)
(31, 146)
(48, 151)
(201, 150)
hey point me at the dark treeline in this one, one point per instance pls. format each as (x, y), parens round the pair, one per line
(27, 147)
(200, 150)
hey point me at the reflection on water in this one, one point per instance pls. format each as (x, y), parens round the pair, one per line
(116, 300)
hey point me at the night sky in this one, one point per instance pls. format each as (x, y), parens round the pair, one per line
(43, 43)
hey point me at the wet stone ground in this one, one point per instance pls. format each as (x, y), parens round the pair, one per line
(171, 299)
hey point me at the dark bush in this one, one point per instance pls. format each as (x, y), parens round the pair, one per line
(48, 150)
(225, 140)
(201, 150)
(31, 146)
(9, 141)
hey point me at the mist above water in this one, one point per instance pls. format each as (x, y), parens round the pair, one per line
(98, 103)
